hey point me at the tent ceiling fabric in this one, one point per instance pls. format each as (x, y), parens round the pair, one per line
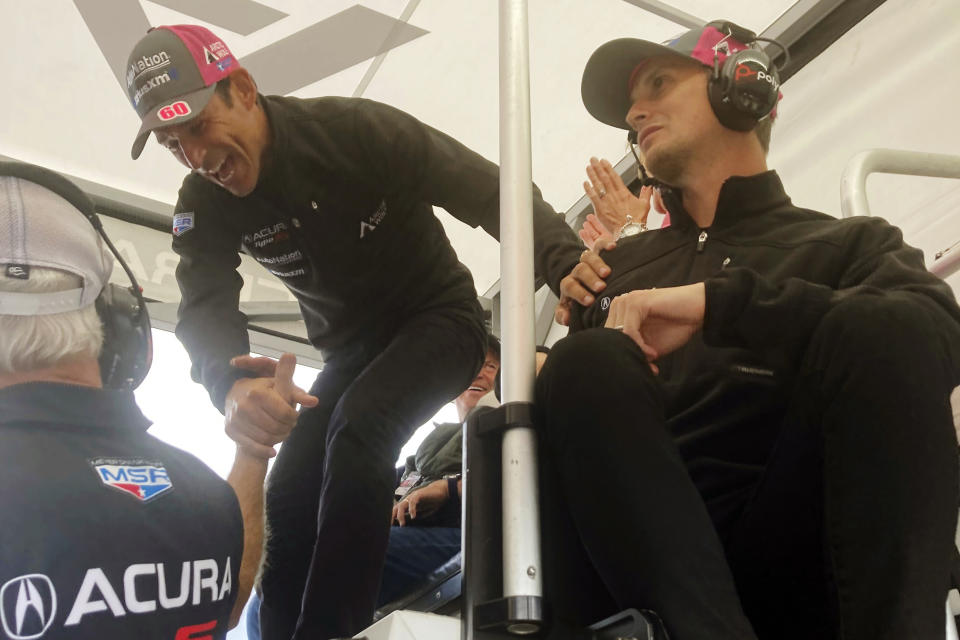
(63, 107)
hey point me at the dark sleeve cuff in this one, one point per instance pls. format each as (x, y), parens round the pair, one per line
(725, 297)
(744, 310)
(218, 390)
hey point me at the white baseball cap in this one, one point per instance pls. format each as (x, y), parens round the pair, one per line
(41, 228)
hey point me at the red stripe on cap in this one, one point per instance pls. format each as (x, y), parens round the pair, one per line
(212, 56)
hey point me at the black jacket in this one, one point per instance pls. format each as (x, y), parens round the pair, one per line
(342, 215)
(108, 532)
(771, 271)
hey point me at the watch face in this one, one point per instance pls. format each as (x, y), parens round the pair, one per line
(631, 229)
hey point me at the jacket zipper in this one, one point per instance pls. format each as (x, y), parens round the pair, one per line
(701, 241)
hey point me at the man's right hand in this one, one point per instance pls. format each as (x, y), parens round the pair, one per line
(261, 412)
(583, 281)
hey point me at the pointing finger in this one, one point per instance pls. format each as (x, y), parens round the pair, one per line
(284, 376)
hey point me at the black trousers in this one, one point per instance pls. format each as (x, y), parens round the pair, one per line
(330, 491)
(847, 532)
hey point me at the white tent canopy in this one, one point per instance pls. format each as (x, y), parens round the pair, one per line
(64, 107)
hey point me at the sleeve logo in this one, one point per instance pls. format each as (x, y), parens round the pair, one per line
(182, 222)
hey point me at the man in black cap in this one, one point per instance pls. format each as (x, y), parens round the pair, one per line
(108, 532)
(770, 451)
(334, 197)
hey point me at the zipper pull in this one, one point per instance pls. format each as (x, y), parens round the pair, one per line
(702, 240)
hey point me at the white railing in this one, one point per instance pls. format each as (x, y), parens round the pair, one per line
(853, 187)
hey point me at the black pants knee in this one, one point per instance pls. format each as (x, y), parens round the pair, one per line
(848, 529)
(852, 524)
(329, 494)
(623, 523)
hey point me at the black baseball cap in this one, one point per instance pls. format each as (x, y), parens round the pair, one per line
(172, 73)
(610, 71)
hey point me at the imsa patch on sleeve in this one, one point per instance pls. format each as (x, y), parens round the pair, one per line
(182, 222)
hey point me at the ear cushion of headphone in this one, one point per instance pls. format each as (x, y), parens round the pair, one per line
(127, 343)
(745, 90)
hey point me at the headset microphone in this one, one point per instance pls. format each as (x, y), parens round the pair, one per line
(646, 180)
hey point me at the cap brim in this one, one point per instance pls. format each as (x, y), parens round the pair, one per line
(196, 100)
(605, 86)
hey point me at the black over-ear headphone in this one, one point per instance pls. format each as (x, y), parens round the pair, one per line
(744, 89)
(127, 343)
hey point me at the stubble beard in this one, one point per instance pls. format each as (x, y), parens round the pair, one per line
(668, 165)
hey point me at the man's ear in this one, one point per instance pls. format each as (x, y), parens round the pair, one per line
(243, 87)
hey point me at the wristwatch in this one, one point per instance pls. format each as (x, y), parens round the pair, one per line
(630, 228)
(452, 480)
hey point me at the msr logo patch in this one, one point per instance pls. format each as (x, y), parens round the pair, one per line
(143, 479)
(182, 222)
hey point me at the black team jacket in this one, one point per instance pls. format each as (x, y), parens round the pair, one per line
(108, 532)
(771, 272)
(342, 216)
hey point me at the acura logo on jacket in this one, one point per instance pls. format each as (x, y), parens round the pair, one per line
(27, 606)
(267, 235)
(28, 603)
(374, 220)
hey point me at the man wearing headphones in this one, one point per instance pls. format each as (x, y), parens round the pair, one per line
(770, 451)
(335, 197)
(108, 532)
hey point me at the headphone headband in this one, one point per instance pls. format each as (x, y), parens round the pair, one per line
(127, 346)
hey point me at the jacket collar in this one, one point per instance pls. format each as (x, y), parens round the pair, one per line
(740, 197)
(58, 404)
(273, 169)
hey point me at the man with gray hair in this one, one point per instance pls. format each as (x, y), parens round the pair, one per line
(108, 532)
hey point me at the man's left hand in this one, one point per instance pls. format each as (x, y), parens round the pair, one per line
(659, 320)
(421, 503)
(586, 277)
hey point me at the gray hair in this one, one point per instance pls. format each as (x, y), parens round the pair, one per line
(28, 343)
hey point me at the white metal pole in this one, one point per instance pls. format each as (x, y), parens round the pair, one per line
(521, 524)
